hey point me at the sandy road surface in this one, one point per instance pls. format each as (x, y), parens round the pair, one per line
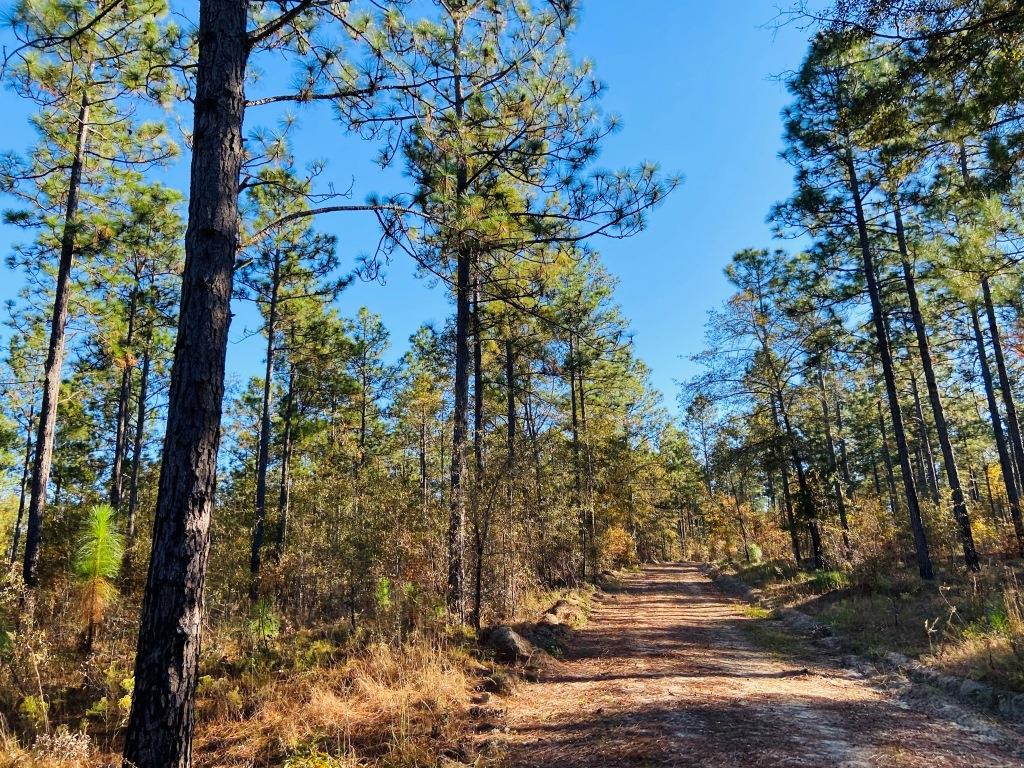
(667, 673)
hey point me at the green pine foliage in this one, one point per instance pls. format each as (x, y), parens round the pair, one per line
(96, 563)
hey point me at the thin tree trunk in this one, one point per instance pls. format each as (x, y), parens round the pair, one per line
(837, 484)
(890, 475)
(460, 416)
(510, 417)
(123, 404)
(961, 513)
(159, 733)
(927, 455)
(806, 501)
(460, 428)
(140, 433)
(424, 479)
(576, 462)
(510, 454)
(263, 449)
(588, 477)
(844, 460)
(285, 489)
(926, 459)
(1005, 464)
(924, 563)
(23, 485)
(481, 515)
(787, 497)
(45, 435)
(1012, 423)
(740, 520)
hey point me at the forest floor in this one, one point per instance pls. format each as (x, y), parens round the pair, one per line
(669, 671)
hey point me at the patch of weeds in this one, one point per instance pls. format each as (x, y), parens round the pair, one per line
(757, 612)
(829, 581)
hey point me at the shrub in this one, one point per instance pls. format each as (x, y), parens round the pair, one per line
(754, 553)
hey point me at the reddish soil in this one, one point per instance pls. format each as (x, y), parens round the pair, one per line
(668, 673)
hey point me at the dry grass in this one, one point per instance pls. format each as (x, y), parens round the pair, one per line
(971, 626)
(384, 707)
(991, 647)
(62, 749)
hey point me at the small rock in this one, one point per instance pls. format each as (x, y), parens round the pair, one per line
(508, 645)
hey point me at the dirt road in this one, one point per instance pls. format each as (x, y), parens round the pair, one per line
(668, 672)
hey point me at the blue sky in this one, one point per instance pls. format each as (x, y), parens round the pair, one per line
(695, 84)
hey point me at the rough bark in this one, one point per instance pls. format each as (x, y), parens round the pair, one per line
(924, 563)
(46, 429)
(159, 733)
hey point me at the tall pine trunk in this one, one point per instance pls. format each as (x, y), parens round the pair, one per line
(159, 733)
(460, 414)
(960, 511)
(1005, 464)
(924, 563)
(46, 428)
